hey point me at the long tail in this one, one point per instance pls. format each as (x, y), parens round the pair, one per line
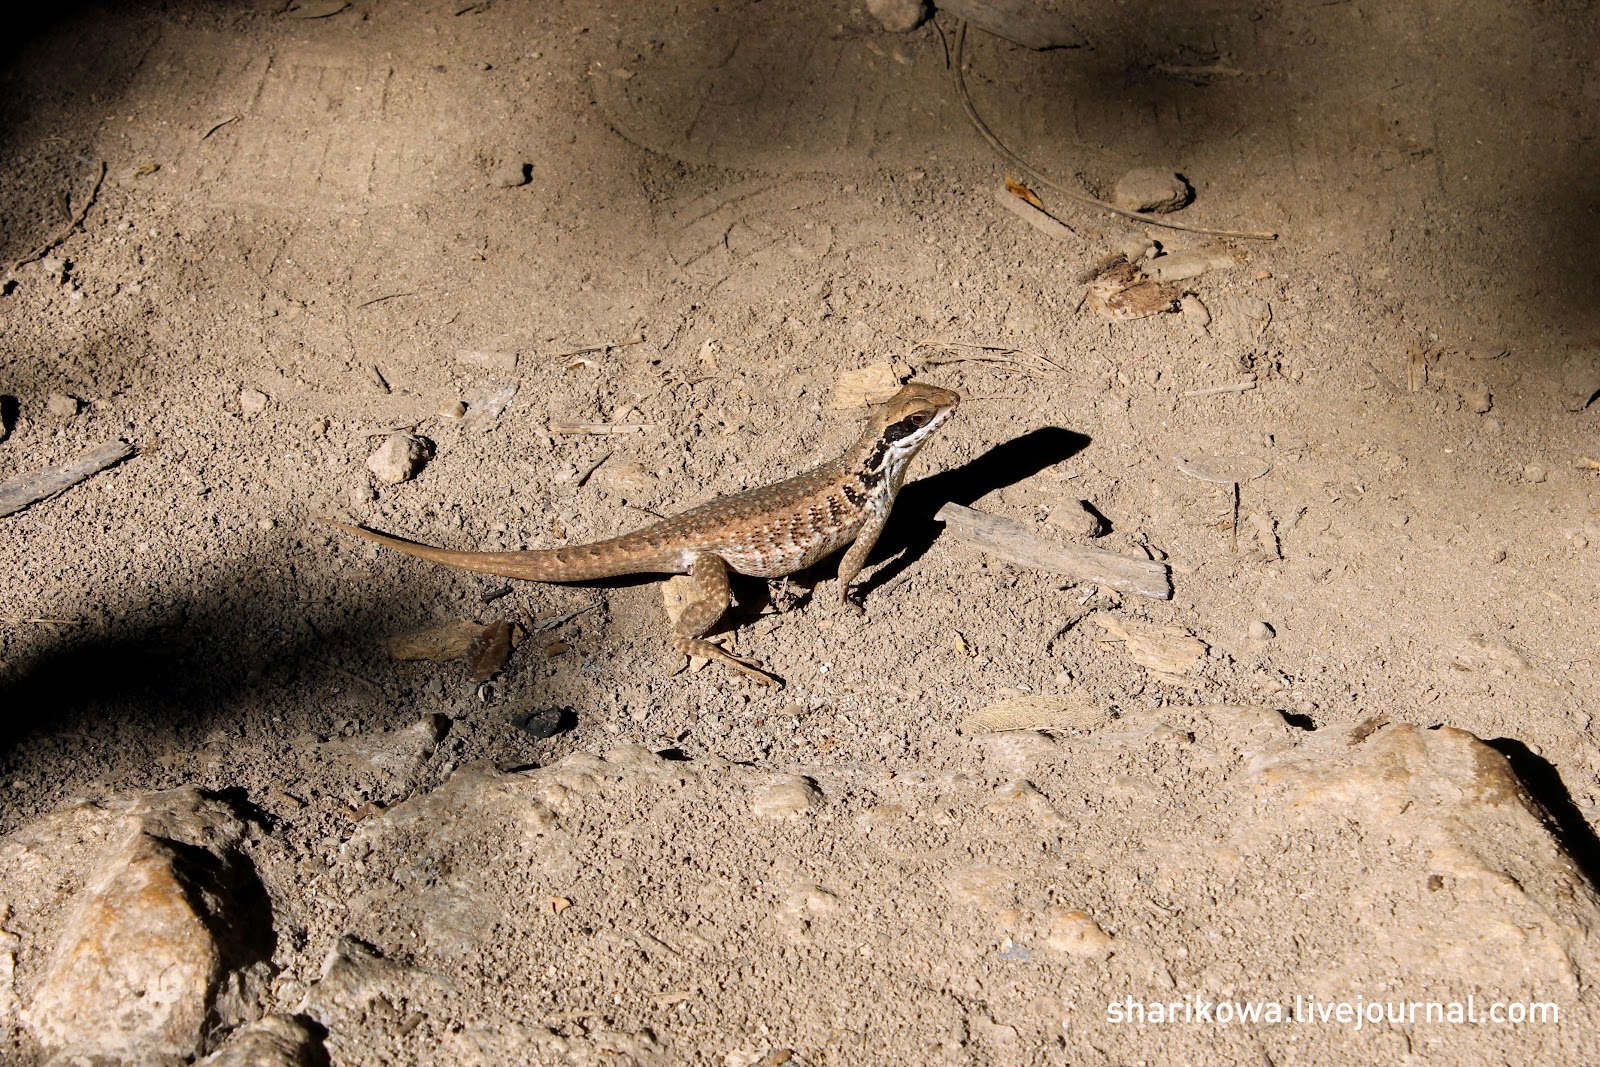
(579, 563)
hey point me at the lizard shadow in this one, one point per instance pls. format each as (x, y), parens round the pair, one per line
(912, 527)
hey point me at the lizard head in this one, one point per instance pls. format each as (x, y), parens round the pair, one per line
(907, 420)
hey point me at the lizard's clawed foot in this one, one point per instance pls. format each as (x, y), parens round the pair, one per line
(853, 602)
(699, 646)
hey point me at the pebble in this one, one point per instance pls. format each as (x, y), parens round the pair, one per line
(899, 16)
(1497, 556)
(1534, 473)
(1151, 189)
(1076, 934)
(510, 175)
(1135, 247)
(545, 722)
(1478, 398)
(400, 458)
(1193, 312)
(61, 405)
(1262, 631)
(786, 797)
(274, 1041)
(252, 401)
(1078, 519)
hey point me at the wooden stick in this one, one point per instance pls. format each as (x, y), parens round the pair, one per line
(1015, 543)
(28, 489)
(66, 230)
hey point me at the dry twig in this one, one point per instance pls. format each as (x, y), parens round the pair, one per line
(1044, 180)
(72, 224)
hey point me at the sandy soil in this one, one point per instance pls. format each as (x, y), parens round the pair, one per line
(314, 232)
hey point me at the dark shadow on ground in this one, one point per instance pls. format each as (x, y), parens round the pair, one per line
(1544, 783)
(912, 528)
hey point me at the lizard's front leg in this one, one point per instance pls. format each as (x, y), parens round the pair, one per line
(856, 556)
(709, 597)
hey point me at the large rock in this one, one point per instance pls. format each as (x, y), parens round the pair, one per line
(1026, 884)
(147, 905)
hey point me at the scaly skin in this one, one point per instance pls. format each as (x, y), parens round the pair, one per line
(767, 532)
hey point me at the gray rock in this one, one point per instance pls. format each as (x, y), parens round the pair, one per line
(510, 175)
(61, 405)
(1151, 189)
(252, 401)
(899, 16)
(275, 1041)
(400, 458)
(154, 920)
(1078, 519)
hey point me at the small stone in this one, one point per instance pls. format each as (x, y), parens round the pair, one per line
(545, 722)
(1151, 189)
(61, 405)
(1534, 473)
(400, 458)
(252, 401)
(510, 175)
(1193, 312)
(898, 16)
(1262, 631)
(1477, 398)
(1497, 556)
(1076, 934)
(455, 410)
(786, 797)
(275, 1041)
(1135, 247)
(1079, 520)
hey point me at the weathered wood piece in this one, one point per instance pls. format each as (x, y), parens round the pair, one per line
(1016, 543)
(27, 489)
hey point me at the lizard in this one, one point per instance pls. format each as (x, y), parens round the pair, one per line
(769, 532)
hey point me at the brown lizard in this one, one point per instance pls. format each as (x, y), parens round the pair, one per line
(768, 532)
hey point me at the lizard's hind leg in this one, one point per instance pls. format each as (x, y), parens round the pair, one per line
(709, 598)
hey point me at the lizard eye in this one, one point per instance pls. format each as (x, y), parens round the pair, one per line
(920, 418)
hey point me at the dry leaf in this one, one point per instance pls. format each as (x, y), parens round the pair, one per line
(1123, 292)
(1022, 192)
(490, 651)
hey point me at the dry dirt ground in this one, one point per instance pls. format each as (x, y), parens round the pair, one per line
(314, 231)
